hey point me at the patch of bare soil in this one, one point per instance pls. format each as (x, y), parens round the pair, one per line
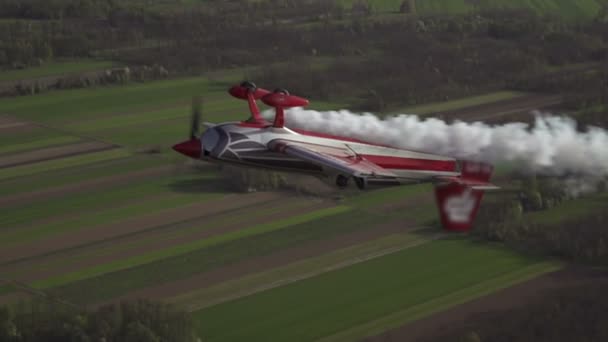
(163, 218)
(502, 111)
(155, 240)
(452, 320)
(53, 153)
(87, 185)
(263, 263)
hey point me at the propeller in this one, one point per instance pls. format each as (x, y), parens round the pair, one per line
(195, 124)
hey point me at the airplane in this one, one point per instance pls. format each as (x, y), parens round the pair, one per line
(259, 143)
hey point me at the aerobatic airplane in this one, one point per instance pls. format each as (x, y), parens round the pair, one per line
(256, 142)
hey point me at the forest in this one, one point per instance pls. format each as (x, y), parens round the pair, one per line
(325, 52)
(129, 321)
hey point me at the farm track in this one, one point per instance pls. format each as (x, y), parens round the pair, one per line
(83, 186)
(443, 323)
(50, 153)
(264, 263)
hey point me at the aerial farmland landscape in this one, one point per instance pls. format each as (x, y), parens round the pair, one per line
(107, 233)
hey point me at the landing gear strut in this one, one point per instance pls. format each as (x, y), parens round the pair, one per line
(361, 183)
(342, 181)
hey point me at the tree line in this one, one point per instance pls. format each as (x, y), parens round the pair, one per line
(128, 321)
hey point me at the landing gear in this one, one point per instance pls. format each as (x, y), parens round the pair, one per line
(342, 181)
(361, 183)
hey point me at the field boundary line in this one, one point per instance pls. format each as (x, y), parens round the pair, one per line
(438, 304)
(329, 268)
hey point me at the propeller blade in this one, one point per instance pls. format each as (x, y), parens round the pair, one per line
(197, 104)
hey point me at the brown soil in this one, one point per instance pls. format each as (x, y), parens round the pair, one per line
(53, 153)
(130, 226)
(263, 263)
(125, 178)
(504, 110)
(452, 320)
(156, 242)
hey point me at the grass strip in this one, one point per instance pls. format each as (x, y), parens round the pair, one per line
(89, 158)
(79, 173)
(570, 209)
(185, 248)
(54, 69)
(461, 103)
(31, 145)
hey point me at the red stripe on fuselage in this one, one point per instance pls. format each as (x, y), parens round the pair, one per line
(399, 163)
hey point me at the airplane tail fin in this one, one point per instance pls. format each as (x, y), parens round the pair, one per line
(458, 198)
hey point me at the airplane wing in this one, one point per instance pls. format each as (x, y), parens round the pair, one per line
(339, 159)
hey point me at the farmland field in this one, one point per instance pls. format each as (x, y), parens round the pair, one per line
(100, 226)
(55, 69)
(567, 8)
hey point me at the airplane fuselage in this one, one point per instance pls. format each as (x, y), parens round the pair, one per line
(248, 145)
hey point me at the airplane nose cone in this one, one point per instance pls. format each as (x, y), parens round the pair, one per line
(191, 148)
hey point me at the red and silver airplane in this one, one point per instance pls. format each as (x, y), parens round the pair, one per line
(256, 142)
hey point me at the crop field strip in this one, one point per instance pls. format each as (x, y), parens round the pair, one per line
(451, 266)
(566, 8)
(54, 69)
(28, 185)
(156, 238)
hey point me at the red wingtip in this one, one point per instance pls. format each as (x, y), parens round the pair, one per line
(191, 148)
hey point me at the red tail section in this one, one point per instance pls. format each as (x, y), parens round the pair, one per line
(458, 198)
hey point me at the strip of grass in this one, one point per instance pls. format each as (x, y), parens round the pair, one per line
(185, 248)
(570, 209)
(340, 300)
(39, 143)
(6, 289)
(213, 256)
(55, 69)
(89, 158)
(383, 196)
(580, 9)
(70, 105)
(12, 137)
(295, 271)
(445, 302)
(461, 103)
(78, 173)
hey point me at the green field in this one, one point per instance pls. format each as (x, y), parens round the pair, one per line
(343, 299)
(567, 8)
(38, 143)
(78, 173)
(461, 103)
(55, 69)
(54, 164)
(571, 209)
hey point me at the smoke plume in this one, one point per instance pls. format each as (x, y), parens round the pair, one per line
(552, 145)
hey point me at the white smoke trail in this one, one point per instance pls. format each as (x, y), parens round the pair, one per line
(552, 145)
